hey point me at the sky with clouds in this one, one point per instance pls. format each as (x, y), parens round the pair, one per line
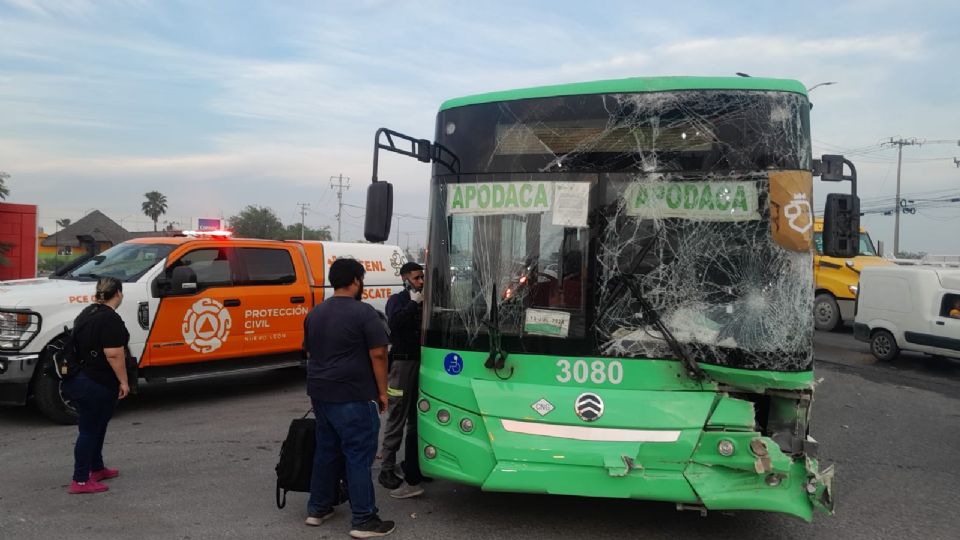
(223, 104)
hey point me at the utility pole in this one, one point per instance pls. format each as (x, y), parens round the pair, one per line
(339, 186)
(303, 215)
(900, 143)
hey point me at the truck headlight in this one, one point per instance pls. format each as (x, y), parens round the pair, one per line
(853, 289)
(17, 328)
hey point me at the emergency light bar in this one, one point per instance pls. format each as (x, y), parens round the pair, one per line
(212, 234)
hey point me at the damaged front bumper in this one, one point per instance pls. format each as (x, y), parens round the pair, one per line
(744, 471)
(726, 471)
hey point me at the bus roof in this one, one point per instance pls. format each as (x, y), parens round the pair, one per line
(632, 85)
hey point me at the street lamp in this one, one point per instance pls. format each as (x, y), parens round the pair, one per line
(828, 83)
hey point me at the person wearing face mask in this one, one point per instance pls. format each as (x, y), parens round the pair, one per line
(405, 317)
(346, 344)
(101, 341)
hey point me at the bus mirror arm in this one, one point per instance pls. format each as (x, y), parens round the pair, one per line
(422, 149)
(419, 148)
(379, 210)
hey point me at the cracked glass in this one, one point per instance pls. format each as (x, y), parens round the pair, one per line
(565, 209)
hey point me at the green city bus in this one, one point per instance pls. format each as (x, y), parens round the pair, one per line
(619, 291)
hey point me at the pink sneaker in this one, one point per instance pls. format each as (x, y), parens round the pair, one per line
(90, 486)
(104, 474)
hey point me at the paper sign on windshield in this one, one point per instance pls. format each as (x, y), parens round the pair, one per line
(500, 198)
(570, 204)
(543, 322)
(705, 201)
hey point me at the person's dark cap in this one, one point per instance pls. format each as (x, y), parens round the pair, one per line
(410, 267)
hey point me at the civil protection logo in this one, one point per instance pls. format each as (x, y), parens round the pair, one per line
(588, 407)
(206, 325)
(798, 213)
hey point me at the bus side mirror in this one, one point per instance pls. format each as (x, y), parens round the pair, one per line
(376, 226)
(841, 226)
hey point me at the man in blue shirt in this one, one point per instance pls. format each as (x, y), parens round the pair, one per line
(347, 383)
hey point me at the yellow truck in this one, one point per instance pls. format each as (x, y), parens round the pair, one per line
(836, 280)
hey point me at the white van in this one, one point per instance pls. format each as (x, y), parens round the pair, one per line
(910, 308)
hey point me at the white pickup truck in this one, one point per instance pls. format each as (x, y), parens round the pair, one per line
(194, 306)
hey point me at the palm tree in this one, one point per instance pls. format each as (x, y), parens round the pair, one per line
(4, 190)
(155, 206)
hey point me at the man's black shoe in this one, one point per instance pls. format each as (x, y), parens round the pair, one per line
(389, 480)
(373, 528)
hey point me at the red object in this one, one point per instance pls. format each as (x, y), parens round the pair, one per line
(18, 226)
(104, 474)
(80, 488)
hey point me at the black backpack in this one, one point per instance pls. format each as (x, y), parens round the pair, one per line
(67, 360)
(296, 461)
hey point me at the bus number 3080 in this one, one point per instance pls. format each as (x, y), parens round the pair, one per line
(597, 371)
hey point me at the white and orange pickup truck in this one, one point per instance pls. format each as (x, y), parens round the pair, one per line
(195, 306)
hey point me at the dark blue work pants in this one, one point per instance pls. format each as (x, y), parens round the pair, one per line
(95, 403)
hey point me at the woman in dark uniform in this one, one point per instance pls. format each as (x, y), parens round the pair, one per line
(101, 340)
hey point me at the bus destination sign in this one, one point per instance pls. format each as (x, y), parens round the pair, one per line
(709, 201)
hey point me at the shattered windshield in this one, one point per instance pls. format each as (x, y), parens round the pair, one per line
(700, 198)
(126, 262)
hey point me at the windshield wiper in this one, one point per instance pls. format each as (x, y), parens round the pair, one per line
(498, 357)
(652, 317)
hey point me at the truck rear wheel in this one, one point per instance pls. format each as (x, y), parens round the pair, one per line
(826, 312)
(884, 346)
(48, 392)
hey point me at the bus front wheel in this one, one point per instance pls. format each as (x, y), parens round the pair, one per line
(826, 312)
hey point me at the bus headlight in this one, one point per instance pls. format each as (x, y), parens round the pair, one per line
(466, 425)
(17, 328)
(443, 416)
(430, 452)
(423, 405)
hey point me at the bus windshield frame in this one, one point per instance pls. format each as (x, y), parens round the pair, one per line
(559, 284)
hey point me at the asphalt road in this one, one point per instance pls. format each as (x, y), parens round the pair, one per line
(197, 462)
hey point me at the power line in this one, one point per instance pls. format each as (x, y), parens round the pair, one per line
(411, 216)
